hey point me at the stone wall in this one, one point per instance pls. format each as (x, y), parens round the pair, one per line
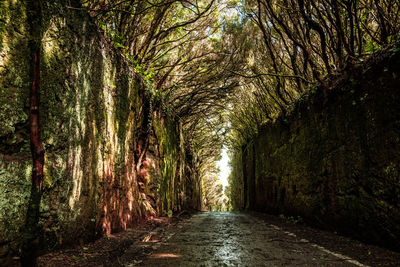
(335, 159)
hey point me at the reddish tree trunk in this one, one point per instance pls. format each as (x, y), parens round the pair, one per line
(31, 237)
(36, 141)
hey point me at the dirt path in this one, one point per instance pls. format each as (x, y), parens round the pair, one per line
(241, 239)
(222, 239)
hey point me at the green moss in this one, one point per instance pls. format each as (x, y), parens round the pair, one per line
(169, 141)
(14, 194)
(13, 76)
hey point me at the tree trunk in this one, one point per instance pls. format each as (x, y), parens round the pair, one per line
(31, 235)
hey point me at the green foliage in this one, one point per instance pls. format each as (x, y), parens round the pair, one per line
(278, 65)
(371, 47)
(214, 198)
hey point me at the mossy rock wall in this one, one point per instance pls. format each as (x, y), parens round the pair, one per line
(167, 179)
(335, 160)
(91, 116)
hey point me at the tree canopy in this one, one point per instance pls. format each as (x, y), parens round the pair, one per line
(224, 68)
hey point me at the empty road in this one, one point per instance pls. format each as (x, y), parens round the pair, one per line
(242, 239)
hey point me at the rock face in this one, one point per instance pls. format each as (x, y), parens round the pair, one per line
(105, 167)
(335, 159)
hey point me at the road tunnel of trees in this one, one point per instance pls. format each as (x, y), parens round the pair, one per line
(116, 111)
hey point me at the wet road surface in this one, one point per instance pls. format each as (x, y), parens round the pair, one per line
(220, 239)
(238, 239)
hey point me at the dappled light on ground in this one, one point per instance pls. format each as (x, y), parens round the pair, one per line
(165, 255)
